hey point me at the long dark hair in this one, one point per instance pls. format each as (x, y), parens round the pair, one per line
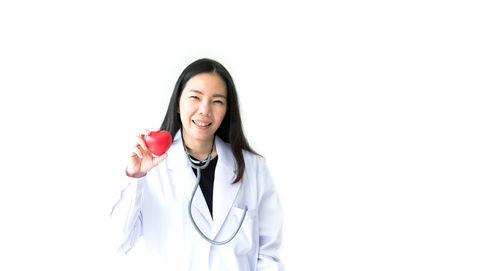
(230, 130)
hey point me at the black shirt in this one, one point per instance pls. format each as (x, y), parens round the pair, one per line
(207, 182)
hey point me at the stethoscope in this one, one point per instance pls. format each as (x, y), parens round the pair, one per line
(199, 165)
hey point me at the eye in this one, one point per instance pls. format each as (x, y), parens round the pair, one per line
(194, 97)
(219, 102)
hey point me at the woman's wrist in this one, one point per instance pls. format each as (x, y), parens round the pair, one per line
(137, 175)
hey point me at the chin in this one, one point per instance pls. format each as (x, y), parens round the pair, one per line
(203, 135)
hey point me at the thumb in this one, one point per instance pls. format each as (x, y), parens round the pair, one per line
(160, 158)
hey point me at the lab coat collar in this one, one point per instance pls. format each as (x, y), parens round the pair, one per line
(177, 156)
(224, 192)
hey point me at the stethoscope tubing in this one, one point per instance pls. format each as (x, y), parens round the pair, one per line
(198, 179)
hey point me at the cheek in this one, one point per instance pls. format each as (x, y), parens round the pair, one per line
(185, 113)
(186, 109)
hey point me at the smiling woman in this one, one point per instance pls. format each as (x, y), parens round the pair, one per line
(236, 208)
(203, 75)
(202, 107)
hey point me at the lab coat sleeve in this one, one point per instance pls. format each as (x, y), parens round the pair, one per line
(270, 222)
(126, 216)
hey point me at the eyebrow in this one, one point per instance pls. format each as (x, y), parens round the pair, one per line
(215, 95)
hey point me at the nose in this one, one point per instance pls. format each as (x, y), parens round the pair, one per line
(205, 109)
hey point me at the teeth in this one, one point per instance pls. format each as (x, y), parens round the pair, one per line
(201, 124)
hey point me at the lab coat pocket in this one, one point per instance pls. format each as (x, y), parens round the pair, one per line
(245, 240)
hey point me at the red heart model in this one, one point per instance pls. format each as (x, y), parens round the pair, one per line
(158, 142)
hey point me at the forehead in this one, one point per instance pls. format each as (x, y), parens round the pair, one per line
(207, 83)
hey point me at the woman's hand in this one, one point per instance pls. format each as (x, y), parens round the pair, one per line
(141, 160)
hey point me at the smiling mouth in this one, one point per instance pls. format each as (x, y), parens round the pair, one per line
(202, 124)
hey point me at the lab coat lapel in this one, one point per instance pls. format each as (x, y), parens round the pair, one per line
(224, 190)
(184, 180)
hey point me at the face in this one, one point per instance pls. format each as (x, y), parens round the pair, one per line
(202, 107)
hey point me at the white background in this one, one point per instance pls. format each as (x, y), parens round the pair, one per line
(379, 121)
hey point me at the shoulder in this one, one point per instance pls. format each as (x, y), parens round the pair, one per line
(253, 160)
(256, 170)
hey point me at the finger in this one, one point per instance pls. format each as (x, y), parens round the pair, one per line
(138, 151)
(160, 158)
(134, 154)
(145, 132)
(140, 141)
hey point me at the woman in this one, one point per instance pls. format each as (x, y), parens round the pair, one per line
(236, 189)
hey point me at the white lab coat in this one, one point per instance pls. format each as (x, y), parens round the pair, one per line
(155, 208)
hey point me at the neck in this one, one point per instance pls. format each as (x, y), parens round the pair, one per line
(199, 149)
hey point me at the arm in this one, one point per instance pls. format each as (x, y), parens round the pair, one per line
(270, 223)
(126, 214)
